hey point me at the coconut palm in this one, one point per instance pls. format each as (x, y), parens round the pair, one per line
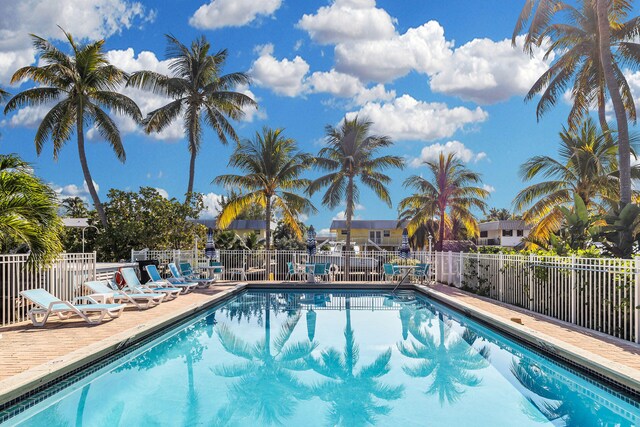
(267, 388)
(4, 95)
(271, 166)
(74, 207)
(355, 395)
(83, 86)
(198, 92)
(447, 362)
(350, 154)
(450, 193)
(593, 41)
(586, 165)
(27, 211)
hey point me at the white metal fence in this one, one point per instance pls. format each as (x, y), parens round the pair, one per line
(63, 278)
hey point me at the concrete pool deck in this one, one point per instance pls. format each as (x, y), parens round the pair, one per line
(31, 357)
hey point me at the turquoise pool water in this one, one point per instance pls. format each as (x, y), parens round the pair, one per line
(335, 358)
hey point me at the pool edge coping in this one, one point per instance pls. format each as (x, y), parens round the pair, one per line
(30, 381)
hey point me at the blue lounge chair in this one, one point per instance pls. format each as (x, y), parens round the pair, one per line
(134, 286)
(156, 279)
(391, 273)
(421, 272)
(141, 300)
(320, 271)
(47, 304)
(180, 277)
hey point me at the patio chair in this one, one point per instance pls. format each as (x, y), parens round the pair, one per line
(391, 273)
(134, 286)
(154, 274)
(320, 271)
(142, 301)
(292, 272)
(179, 275)
(421, 272)
(47, 304)
(216, 269)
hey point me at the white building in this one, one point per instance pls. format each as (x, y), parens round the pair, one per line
(507, 233)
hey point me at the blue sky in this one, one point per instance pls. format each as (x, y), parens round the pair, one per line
(433, 75)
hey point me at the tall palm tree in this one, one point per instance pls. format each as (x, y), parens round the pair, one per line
(27, 211)
(355, 395)
(271, 166)
(74, 207)
(448, 361)
(586, 165)
(350, 154)
(83, 85)
(449, 194)
(199, 93)
(592, 40)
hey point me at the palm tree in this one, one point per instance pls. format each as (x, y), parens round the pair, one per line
(27, 211)
(586, 37)
(272, 166)
(84, 85)
(350, 154)
(198, 92)
(4, 95)
(449, 194)
(74, 207)
(495, 214)
(267, 387)
(354, 395)
(448, 361)
(586, 165)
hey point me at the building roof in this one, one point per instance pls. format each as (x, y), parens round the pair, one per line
(510, 224)
(238, 224)
(75, 222)
(373, 224)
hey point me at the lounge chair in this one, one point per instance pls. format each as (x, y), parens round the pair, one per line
(321, 270)
(292, 272)
(420, 273)
(134, 286)
(156, 279)
(391, 273)
(141, 300)
(179, 277)
(47, 304)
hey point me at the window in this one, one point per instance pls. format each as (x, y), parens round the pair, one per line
(387, 233)
(507, 233)
(256, 231)
(520, 233)
(484, 234)
(343, 232)
(375, 236)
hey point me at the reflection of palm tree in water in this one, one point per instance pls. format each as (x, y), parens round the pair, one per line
(267, 388)
(353, 396)
(561, 401)
(449, 360)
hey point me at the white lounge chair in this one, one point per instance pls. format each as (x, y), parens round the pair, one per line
(179, 277)
(141, 300)
(186, 287)
(47, 304)
(134, 286)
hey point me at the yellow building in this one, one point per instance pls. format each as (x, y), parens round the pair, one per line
(373, 234)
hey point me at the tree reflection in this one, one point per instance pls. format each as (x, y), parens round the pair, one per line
(353, 395)
(267, 388)
(448, 361)
(561, 401)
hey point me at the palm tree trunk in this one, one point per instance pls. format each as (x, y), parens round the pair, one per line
(349, 214)
(606, 58)
(602, 116)
(192, 167)
(268, 235)
(440, 243)
(85, 169)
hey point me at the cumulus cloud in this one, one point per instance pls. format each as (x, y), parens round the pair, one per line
(406, 118)
(211, 206)
(489, 188)
(252, 113)
(73, 190)
(348, 20)
(432, 153)
(162, 192)
(231, 13)
(85, 19)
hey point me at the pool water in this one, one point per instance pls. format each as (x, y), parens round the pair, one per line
(327, 359)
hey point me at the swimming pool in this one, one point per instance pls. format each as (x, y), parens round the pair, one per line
(334, 358)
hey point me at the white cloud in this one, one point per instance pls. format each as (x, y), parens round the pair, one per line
(487, 72)
(84, 19)
(342, 214)
(163, 192)
(211, 206)
(231, 13)
(423, 49)
(72, 190)
(324, 232)
(284, 77)
(409, 119)
(432, 153)
(489, 188)
(28, 116)
(345, 86)
(252, 113)
(348, 20)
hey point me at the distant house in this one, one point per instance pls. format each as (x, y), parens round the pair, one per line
(383, 233)
(508, 233)
(242, 227)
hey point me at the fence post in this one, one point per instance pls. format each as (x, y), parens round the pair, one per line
(500, 276)
(531, 282)
(574, 289)
(450, 268)
(636, 303)
(460, 268)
